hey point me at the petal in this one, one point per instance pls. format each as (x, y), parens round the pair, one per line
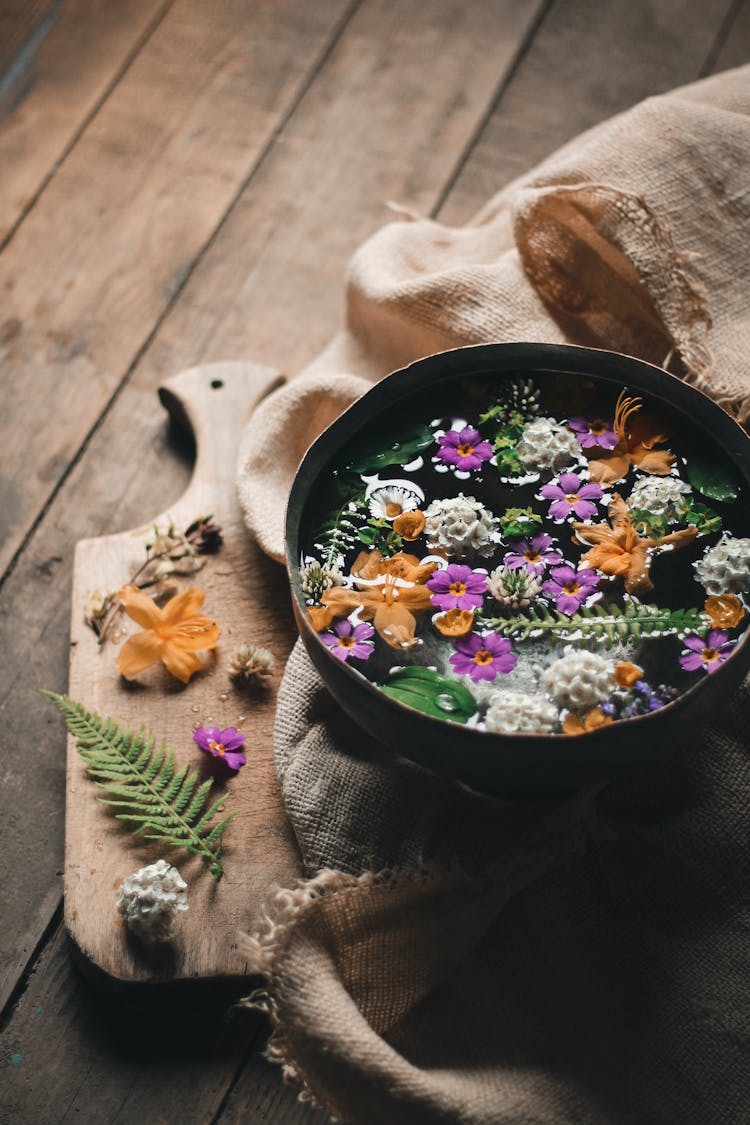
(321, 617)
(691, 661)
(569, 482)
(637, 580)
(396, 625)
(697, 644)
(234, 760)
(658, 462)
(340, 601)
(181, 664)
(185, 604)
(415, 597)
(197, 634)
(367, 564)
(139, 651)
(590, 492)
(552, 492)
(607, 470)
(140, 607)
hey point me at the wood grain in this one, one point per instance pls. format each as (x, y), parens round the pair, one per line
(216, 401)
(117, 231)
(587, 62)
(78, 53)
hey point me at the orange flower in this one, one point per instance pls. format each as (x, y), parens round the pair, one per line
(724, 611)
(391, 591)
(637, 434)
(409, 525)
(620, 551)
(627, 674)
(455, 623)
(173, 635)
(592, 720)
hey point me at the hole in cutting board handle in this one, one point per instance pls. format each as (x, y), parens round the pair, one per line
(217, 384)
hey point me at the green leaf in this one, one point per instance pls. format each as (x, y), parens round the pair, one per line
(432, 694)
(648, 524)
(146, 782)
(712, 475)
(519, 522)
(600, 624)
(705, 519)
(376, 455)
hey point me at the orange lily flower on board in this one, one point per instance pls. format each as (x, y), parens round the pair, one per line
(619, 551)
(390, 592)
(637, 434)
(173, 634)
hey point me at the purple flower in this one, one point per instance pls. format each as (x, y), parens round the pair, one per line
(594, 432)
(225, 744)
(483, 657)
(464, 449)
(457, 587)
(345, 640)
(570, 588)
(706, 652)
(570, 495)
(534, 555)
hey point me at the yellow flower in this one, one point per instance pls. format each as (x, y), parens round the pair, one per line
(455, 623)
(627, 674)
(409, 525)
(724, 611)
(173, 635)
(592, 720)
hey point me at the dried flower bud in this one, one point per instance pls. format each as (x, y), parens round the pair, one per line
(205, 536)
(97, 607)
(252, 664)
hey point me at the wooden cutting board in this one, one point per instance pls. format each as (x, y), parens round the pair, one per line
(247, 595)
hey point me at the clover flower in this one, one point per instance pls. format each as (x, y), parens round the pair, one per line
(570, 496)
(315, 579)
(464, 449)
(483, 657)
(707, 652)
(457, 587)
(225, 744)
(345, 640)
(570, 588)
(252, 664)
(534, 555)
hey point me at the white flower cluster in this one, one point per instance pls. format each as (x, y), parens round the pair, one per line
(546, 446)
(515, 589)
(662, 496)
(725, 569)
(151, 899)
(579, 680)
(315, 579)
(520, 712)
(460, 527)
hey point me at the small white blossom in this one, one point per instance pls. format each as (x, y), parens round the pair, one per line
(520, 712)
(662, 496)
(150, 900)
(252, 664)
(725, 569)
(546, 446)
(460, 527)
(579, 679)
(514, 589)
(315, 579)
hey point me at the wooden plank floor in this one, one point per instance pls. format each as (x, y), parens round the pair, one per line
(184, 182)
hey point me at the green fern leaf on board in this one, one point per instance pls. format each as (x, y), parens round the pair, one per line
(145, 785)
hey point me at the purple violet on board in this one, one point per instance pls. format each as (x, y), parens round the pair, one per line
(226, 744)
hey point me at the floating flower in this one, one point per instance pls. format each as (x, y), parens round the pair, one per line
(390, 498)
(579, 680)
(637, 434)
(173, 634)
(225, 744)
(483, 657)
(725, 611)
(464, 449)
(520, 712)
(514, 589)
(252, 664)
(545, 445)
(570, 496)
(725, 569)
(592, 720)
(410, 525)
(619, 551)
(460, 526)
(706, 652)
(533, 555)
(390, 593)
(455, 623)
(593, 433)
(642, 699)
(315, 579)
(457, 587)
(660, 496)
(346, 640)
(627, 674)
(570, 588)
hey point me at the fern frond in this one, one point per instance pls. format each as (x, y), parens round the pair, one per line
(144, 785)
(600, 624)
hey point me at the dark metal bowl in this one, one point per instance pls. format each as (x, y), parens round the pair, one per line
(515, 764)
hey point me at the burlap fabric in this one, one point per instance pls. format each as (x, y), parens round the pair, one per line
(459, 959)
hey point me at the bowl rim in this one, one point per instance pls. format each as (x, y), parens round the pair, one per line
(482, 359)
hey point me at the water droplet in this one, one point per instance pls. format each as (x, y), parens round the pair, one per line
(209, 718)
(241, 718)
(224, 695)
(446, 702)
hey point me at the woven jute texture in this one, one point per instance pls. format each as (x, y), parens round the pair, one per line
(453, 958)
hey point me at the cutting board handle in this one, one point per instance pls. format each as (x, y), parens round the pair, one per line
(213, 402)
